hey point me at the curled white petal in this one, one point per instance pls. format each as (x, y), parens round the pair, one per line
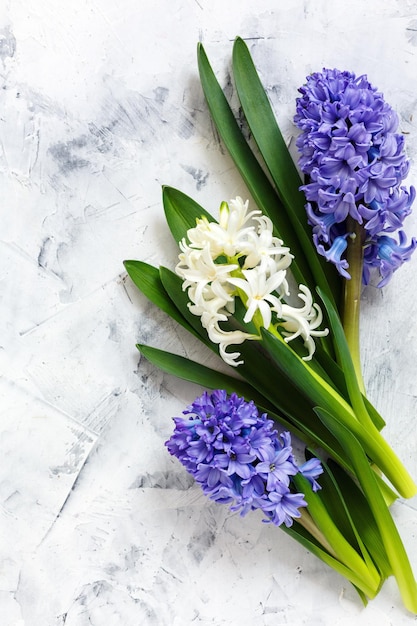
(227, 338)
(303, 321)
(206, 301)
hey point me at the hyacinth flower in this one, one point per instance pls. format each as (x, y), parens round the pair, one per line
(239, 257)
(354, 160)
(253, 287)
(237, 457)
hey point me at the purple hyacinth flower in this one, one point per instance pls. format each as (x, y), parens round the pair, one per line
(240, 463)
(277, 467)
(311, 470)
(212, 476)
(387, 254)
(237, 456)
(283, 506)
(354, 160)
(334, 254)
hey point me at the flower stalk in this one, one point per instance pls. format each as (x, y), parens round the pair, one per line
(352, 296)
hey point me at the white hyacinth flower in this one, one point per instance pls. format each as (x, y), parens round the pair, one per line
(267, 250)
(198, 268)
(229, 236)
(239, 257)
(259, 291)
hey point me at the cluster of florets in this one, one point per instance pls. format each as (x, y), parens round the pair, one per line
(240, 257)
(238, 457)
(355, 163)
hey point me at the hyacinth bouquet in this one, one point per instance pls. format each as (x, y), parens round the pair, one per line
(274, 290)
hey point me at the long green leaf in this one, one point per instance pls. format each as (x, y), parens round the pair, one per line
(321, 394)
(375, 416)
(334, 370)
(266, 132)
(251, 171)
(392, 541)
(147, 280)
(358, 509)
(194, 372)
(341, 497)
(363, 572)
(308, 382)
(345, 360)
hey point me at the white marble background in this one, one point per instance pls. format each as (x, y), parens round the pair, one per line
(100, 106)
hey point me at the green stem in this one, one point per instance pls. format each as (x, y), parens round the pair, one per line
(321, 526)
(391, 539)
(307, 522)
(352, 296)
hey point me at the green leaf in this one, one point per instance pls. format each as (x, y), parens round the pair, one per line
(308, 382)
(346, 363)
(147, 280)
(251, 171)
(392, 541)
(357, 507)
(320, 393)
(265, 130)
(262, 122)
(333, 369)
(377, 419)
(194, 372)
(181, 212)
(362, 572)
